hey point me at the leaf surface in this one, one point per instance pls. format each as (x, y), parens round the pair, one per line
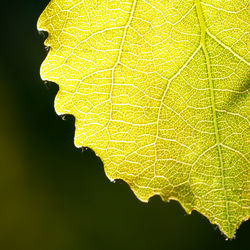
(159, 90)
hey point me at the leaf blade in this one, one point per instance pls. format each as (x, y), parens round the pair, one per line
(163, 101)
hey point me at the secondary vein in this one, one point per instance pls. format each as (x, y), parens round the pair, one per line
(119, 58)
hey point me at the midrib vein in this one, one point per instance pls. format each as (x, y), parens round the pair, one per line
(215, 122)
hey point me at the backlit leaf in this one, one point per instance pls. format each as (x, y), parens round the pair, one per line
(159, 90)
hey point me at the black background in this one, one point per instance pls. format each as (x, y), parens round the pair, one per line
(54, 196)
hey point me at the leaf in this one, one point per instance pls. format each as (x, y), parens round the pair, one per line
(159, 90)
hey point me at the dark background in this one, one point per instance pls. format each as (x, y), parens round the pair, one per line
(54, 196)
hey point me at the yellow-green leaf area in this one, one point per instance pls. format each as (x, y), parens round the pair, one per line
(159, 90)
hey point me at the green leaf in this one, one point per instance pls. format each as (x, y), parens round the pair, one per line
(159, 90)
